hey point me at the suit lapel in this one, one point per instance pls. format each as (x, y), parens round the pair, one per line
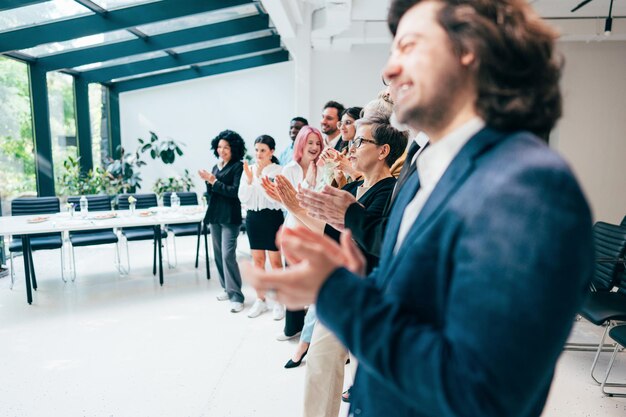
(404, 197)
(459, 170)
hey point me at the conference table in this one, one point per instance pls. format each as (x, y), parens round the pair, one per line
(32, 225)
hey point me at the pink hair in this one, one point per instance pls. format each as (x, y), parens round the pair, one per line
(300, 142)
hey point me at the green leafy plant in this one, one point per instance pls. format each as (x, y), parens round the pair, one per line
(173, 184)
(166, 150)
(124, 172)
(74, 182)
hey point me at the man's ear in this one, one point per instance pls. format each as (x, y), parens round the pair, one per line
(467, 59)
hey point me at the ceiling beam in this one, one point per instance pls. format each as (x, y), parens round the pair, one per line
(281, 17)
(114, 20)
(154, 43)
(14, 4)
(104, 75)
(198, 72)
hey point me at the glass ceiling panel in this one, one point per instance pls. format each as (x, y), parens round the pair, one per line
(199, 19)
(146, 74)
(120, 4)
(121, 61)
(237, 57)
(202, 64)
(78, 43)
(49, 11)
(222, 41)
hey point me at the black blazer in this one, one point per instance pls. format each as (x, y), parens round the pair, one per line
(369, 230)
(372, 204)
(223, 202)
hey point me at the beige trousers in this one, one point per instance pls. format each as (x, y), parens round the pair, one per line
(325, 365)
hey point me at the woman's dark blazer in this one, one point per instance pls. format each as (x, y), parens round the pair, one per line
(223, 205)
(374, 201)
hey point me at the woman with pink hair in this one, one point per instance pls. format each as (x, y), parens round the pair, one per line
(301, 170)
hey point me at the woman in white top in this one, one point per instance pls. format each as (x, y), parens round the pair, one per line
(302, 170)
(264, 215)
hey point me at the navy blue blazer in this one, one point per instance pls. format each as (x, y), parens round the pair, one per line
(470, 316)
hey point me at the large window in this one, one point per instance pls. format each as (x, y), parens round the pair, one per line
(100, 147)
(17, 160)
(62, 123)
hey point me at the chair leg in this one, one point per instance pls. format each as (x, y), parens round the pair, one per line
(582, 347)
(598, 351)
(127, 254)
(12, 270)
(606, 378)
(72, 263)
(167, 252)
(73, 256)
(118, 256)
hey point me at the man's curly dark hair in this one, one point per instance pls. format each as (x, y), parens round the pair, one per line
(237, 145)
(517, 67)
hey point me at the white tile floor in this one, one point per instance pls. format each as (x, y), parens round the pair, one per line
(124, 346)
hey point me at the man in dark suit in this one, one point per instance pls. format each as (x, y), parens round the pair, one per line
(488, 249)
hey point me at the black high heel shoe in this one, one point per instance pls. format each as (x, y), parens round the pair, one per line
(291, 364)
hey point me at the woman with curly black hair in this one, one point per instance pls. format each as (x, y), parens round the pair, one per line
(223, 214)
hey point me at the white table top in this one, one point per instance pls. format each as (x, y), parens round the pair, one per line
(61, 222)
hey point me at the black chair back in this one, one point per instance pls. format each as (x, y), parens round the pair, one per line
(26, 206)
(610, 246)
(35, 205)
(187, 198)
(94, 202)
(144, 201)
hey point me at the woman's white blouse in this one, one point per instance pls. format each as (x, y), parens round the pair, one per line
(253, 196)
(293, 172)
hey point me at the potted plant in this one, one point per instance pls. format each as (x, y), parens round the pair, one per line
(166, 150)
(173, 184)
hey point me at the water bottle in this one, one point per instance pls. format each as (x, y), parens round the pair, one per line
(83, 206)
(174, 201)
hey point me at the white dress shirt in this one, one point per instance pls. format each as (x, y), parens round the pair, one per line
(332, 143)
(294, 174)
(431, 165)
(253, 196)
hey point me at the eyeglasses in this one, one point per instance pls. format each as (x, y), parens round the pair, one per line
(347, 123)
(356, 143)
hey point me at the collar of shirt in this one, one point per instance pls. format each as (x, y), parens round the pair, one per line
(436, 158)
(432, 163)
(421, 139)
(332, 143)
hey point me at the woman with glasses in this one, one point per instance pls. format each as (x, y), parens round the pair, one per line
(374, 149)
(343, 171)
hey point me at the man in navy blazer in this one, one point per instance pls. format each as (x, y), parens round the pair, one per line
(488, 249)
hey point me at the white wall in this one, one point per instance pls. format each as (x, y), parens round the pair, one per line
(351, 78)
(251, 102)
(592, 132)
